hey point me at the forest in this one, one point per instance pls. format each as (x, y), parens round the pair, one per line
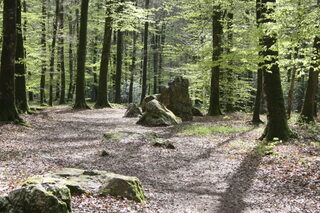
(159, 106)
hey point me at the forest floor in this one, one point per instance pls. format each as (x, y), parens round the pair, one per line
(218, 164)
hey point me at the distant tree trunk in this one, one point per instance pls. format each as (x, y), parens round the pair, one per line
(309, 105)
(119, 66)
(231, 77)
(217, 31)
(162, 42)
(71, 64)
(155, 61)
(80, 102)
(44, 50)
(61, 54)
(53, 47)
(257, 103)
(94, 93)
(145, 55)
(133, 66)
(277, 126)
(292, 85)
(20, 71)
(102, 99)
(8, 111)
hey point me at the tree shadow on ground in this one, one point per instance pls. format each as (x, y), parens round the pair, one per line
(232, 200)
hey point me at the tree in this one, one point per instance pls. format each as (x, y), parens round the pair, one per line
(102, 99)
(80, 102)
(8, 111)
(61, 54)
(44, 50)
(145, 55)
(217, 31)
(20, 68)
(277, 126)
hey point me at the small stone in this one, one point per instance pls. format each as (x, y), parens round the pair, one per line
(133, 111)
(104, 153)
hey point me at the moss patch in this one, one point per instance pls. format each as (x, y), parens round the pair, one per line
(200, 130)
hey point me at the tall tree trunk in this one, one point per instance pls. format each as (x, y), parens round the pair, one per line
(80, 102)
(133, 66)
(44, 50)
(277, 126)
(217, 30)
(145, 55)
(162, 42)
(309, 105)
(52, 57)
(102, 99)
(20, 71)
(8, 111)
(71, 64)
(292, 84)
(155, 61)
(119, 66)
(61, 54)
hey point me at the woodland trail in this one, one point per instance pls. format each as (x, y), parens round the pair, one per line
(223, 172)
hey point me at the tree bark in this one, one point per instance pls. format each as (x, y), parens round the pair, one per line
(133, 66)
(53, 47)
(292, 85)
(119, 66)
(80, 102)
(102, 99)
(217, 31)
(44, 50)
(71, 64)
(8, 111)
(20, 68)
(61, 54)
(145, 56)
(277, 126)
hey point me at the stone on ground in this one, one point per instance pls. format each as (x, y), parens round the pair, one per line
(40, 198)
(94, 182)
(176, 98)
(133, 111)
(147, 100)
(157, 114)
(196, 112)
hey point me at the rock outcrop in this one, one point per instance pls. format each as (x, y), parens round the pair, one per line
(196, 112)
(176, 98)
(157, 114)
(39, 198)
(80, 181)
(133, 111)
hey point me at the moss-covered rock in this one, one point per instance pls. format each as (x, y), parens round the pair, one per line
(124, 186)
(133, 111)
(117, 136)
(147, 100)
(196, 112)
(158, 115)
(94, 181)
(44, 198)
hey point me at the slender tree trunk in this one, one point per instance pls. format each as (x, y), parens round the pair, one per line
(155, 61)
(80, 102)
(133, 66)
(119, 66)
(162, 42)
(61, 54)
(102, 99)
(145, 55)
(277, 126)
(292, 85)
(71, 64)
(217, 31)
(8, 111)
(52, 57)
(20, 71)
(309, 105)
(44, 50)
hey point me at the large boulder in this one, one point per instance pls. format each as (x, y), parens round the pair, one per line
(157, 114)
(81, 181)
(147, 100)
(133, 111)
(40, 198)
(176, 98)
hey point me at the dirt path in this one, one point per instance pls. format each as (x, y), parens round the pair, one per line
(223, 172)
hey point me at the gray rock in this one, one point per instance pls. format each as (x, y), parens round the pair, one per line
(81, 181)
(196, 112)
(147, 100)
(157, 114)
(177, 99)
(133, 111)
(40, 198)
